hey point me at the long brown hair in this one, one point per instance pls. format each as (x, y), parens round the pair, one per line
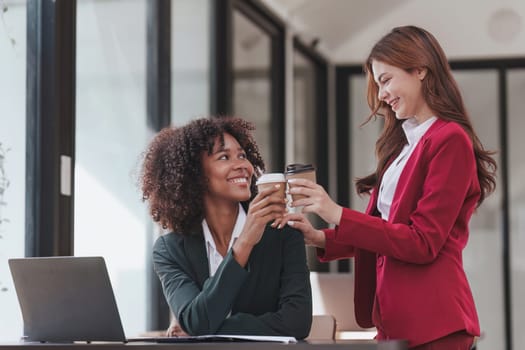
(408, 48)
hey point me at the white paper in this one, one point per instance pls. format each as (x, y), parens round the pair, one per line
(279, 339)
(216, 337)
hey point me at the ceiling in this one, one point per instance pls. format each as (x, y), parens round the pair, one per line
(467, 29)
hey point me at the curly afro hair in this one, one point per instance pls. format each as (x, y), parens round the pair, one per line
(172, 180)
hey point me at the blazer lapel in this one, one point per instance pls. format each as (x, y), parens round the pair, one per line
(195, 250)
(411, 167)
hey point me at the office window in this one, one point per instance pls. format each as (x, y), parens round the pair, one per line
(482, 257)
(363, 139)
(307, 136)
(190, 60)
(252, 81)
(516, 171)
(12, 158)
(111, 133)
(305, 108)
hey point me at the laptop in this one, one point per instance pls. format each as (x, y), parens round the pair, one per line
(68, 299)
(65, 299)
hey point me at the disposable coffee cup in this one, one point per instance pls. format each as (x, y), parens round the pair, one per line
(299, 171)
(270, 180)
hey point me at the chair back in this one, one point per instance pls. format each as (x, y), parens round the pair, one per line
(323, 328)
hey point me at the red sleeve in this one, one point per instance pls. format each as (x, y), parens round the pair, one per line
(333, 250)
(437, 196)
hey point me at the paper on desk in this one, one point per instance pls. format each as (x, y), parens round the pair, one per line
(278, 339)
(223, 337)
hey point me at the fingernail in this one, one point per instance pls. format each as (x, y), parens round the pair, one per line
(291, 223)
(277, 186)
(279, 227)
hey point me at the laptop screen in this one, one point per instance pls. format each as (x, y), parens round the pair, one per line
(66, 299)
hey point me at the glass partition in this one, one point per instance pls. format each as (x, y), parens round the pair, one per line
(252, 81)
(305, 116)
(482, 257)
(111, 133)
(305, 133)
(516, 171)
(190, 60)
(363, 139)
(12, 158)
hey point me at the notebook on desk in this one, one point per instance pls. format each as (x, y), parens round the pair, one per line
(67, 299)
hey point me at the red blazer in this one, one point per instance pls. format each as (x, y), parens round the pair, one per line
(412, 265)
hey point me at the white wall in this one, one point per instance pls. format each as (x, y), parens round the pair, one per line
(466, 29)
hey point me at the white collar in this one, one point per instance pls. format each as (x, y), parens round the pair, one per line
(415, 131)
(237, 229)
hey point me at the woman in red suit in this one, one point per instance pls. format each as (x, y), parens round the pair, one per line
(432, 173)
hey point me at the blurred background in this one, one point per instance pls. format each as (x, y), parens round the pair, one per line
(84, 84)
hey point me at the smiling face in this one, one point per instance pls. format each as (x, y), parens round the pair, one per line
(228, 171)
(401, 90)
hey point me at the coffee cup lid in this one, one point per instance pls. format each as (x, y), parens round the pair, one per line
(298, 168)
(270, 177)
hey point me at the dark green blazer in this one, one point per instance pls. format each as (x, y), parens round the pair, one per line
(271, 296)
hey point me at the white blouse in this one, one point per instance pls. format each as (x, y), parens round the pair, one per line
(413, 132)
(214, 258)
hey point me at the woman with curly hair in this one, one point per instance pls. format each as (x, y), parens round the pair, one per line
(223, 268)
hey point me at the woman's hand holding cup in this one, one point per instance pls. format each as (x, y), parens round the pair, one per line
(315, 200)
(268, 205)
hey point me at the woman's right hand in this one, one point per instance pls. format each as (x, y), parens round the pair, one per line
(316, 200)
(265, 207)
(311, 235)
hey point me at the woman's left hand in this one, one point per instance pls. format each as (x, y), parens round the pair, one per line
(316, 201)
(175, 330)
(311, 236)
